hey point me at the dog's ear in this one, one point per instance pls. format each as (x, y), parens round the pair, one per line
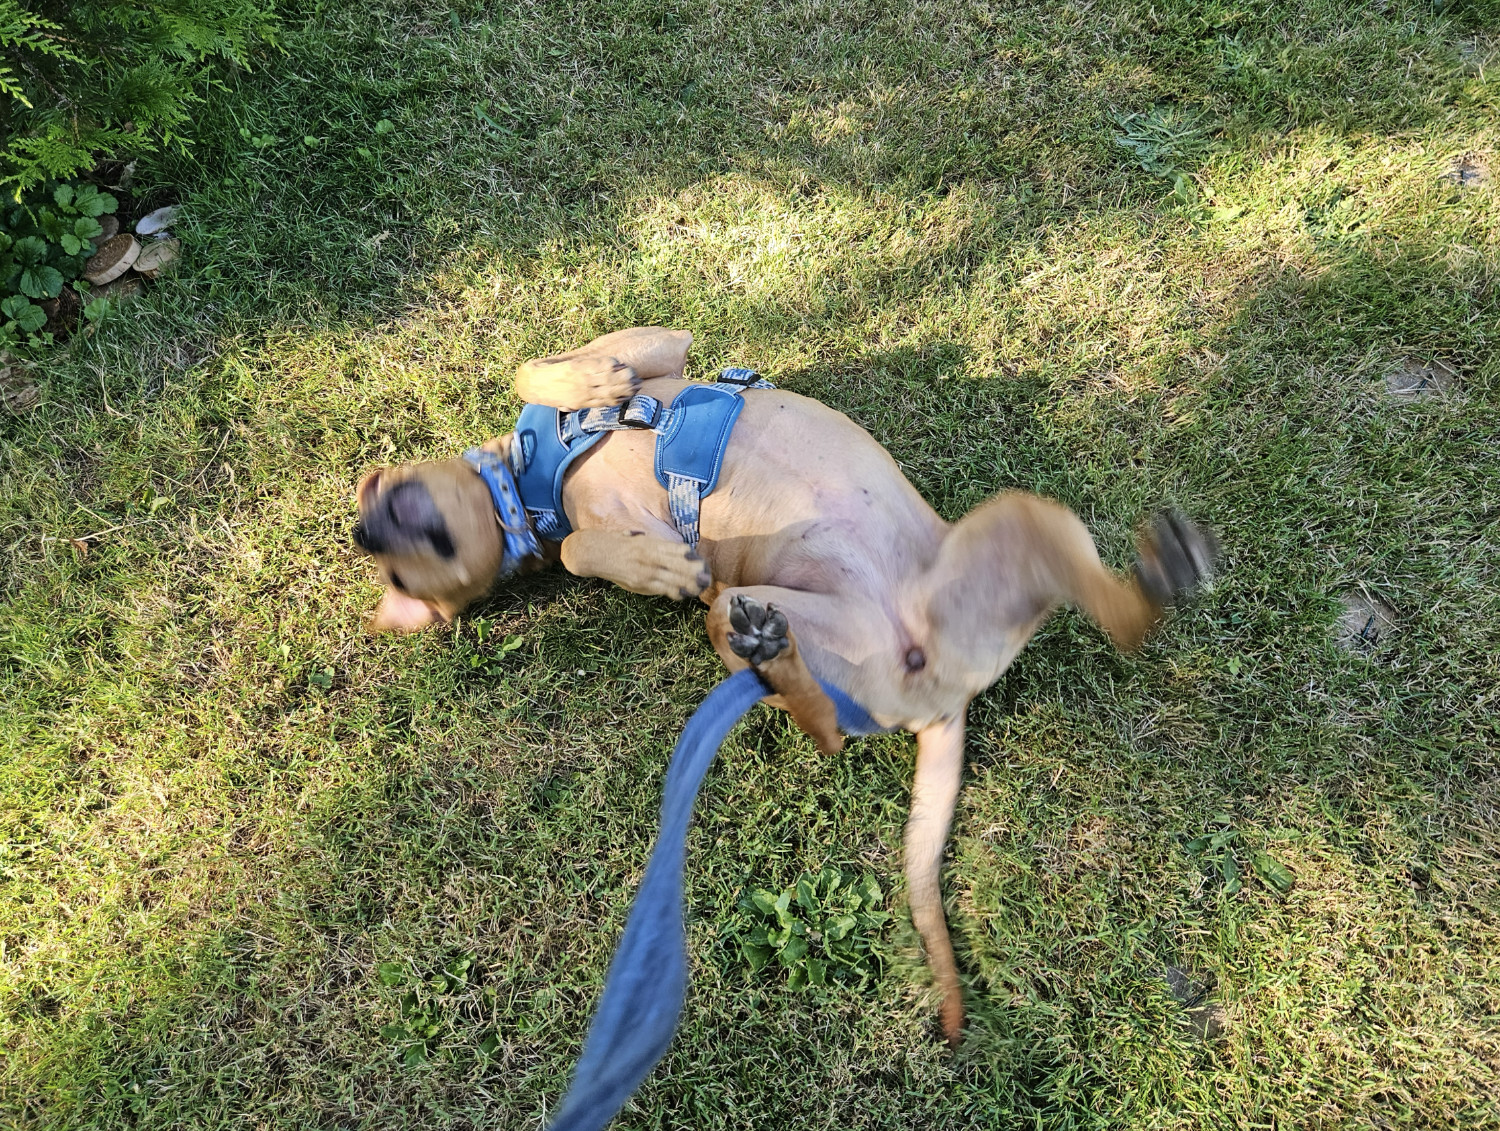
(363, 494)
(399, 613)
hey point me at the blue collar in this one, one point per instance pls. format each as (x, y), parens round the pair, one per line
(518, 539)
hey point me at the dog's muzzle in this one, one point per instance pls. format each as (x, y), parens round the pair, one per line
(404, 518)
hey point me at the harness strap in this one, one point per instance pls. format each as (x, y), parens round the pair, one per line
(684, 501)
(639, 412)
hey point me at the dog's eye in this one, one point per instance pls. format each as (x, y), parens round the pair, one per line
(396, 581)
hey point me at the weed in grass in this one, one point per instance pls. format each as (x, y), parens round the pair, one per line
(823, 930)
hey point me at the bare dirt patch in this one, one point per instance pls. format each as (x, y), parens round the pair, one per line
(1469, 171)
(1413, 380)
(1366, 623)
(1206, 1019)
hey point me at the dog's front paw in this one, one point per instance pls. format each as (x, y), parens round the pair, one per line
(598, 382)
(670, 569)
(1174, 557)
(760, 631)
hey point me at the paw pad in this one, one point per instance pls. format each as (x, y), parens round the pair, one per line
(760, 631)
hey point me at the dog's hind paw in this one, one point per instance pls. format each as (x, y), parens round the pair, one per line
(1174, 557)
(760, 631)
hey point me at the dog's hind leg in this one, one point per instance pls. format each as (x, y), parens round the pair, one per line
(750, 626)
(934, 791)
(1009, 562)
(845, 643)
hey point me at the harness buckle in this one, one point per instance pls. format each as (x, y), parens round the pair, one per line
(640, 411)
(739, 376)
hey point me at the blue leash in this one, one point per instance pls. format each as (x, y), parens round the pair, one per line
(647, 980)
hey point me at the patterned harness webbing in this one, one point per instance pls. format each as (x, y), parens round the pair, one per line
(692, 433)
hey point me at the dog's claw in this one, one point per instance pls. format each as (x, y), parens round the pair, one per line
(760, 631)
(598, 382)
(1175, 557)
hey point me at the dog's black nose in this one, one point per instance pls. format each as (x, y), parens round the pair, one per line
(365, 540)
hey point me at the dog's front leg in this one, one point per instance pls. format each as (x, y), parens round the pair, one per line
(934, 792)
(637, 562)
(605, 372)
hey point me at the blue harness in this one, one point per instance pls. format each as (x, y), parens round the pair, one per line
(691, 435)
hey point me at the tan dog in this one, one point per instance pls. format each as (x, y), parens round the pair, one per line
(817, 556)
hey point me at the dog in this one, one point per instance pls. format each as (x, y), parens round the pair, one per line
(817, 559)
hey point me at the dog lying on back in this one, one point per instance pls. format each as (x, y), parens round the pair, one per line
(815, 556)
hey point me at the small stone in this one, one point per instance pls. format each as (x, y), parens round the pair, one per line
(155, 223)
(1365, 623)
(112, 260)
(157, 255)
(1413, 380)
(111, 225)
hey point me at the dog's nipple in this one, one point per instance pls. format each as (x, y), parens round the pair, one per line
(915, 659)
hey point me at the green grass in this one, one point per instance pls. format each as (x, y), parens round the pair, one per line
(237, 833)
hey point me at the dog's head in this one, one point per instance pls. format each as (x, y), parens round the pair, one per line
(431, 528)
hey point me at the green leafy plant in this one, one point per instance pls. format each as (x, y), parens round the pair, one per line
(487, 659)
(82, 80)
(45, 240)
(822, 930)
(423, 1013)
(1217, 852)
(1165, 140)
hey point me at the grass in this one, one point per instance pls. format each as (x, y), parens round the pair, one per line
(242, 841)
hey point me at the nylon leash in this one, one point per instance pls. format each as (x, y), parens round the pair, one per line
(647, 981)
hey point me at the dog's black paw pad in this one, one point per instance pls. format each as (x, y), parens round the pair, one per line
(760, 631)
(1175, 557)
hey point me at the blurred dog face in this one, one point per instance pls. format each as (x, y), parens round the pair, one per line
(431, 528)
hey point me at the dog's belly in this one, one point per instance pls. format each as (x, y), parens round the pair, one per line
(808, 503)
(808, 500)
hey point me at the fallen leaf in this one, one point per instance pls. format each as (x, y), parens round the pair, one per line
(1273, 872)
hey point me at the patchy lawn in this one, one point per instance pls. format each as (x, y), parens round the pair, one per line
(258, 869)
